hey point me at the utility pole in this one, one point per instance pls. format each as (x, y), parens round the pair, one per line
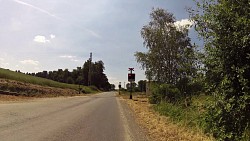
(90, 64)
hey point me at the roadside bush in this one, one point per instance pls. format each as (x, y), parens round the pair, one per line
(196, 88)
(164, 92)
(93, 88)
(189, 88)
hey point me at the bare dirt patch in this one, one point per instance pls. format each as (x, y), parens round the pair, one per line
(10, 98)
(31, 90)
(160, 128)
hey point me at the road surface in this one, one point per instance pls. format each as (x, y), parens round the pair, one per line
(100, 117)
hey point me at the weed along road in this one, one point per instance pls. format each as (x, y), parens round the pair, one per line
(100, 117)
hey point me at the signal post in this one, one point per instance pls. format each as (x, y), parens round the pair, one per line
(131, 78)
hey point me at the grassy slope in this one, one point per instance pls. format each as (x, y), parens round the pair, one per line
(7, 74)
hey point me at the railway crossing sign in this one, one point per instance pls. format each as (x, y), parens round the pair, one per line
(131, 77)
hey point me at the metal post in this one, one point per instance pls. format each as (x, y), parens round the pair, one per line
(130, 96)
(119, 88)
(131, 78)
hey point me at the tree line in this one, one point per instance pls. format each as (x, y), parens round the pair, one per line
(137, 87)
(178, 70)
(80, 75)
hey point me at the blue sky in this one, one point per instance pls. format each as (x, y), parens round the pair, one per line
(39, 35)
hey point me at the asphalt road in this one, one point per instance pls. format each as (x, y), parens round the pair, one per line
(100, 117)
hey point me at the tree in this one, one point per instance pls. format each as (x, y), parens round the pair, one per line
(79, 80)
(128, 86)
(80, 75)
(142, 85)
(60, 75)
(169, 49)
(224, 26)
(112, 86)
(98, 78)
(85, 71)
(70, 80)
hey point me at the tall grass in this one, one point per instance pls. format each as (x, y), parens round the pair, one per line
(7, 74)
(191, 116)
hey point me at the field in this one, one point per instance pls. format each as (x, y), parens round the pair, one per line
(20, 77)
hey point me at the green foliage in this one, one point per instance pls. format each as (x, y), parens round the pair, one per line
(164, 92)
(112, 86)
(70, 80)
(188, 87)
(192, 116)
(80, 75)
(170, 54)
(94, 88)
(224, 26)
(142, 85)
(7, 74)
(134, 87)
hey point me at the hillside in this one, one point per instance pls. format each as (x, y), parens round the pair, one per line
(23, 84)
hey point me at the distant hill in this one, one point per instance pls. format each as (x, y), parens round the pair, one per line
(23, 79)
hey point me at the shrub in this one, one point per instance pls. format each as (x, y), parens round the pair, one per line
(164, 92)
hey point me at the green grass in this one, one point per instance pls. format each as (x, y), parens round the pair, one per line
(191, 116)
(7, 74)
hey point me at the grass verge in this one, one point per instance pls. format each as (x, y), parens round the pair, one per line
(161, 125)
(191, 116)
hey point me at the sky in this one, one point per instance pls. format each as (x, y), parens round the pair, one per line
(37, 35)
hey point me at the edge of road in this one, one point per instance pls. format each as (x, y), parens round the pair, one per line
(133, 131)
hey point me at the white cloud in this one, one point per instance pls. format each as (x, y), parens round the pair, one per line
(71, 58)
(52, 36)
(184, 23)
(40, 39)
(67, 56)
(30, 62)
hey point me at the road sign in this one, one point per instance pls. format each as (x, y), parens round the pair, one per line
(130, 69)
(131, 77)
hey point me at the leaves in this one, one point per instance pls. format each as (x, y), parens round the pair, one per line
(170, 54)
(225, 26)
